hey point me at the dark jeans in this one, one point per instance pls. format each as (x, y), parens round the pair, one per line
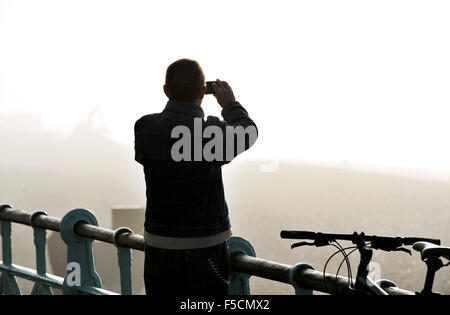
(194, 272)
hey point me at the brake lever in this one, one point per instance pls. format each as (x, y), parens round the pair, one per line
(402, 249)
(301, 244)
(391, 249)
(317, 243)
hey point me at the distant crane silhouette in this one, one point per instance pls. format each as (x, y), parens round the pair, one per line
(94, 122)
(96, 112)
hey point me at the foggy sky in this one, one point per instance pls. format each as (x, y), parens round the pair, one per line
(360, 81)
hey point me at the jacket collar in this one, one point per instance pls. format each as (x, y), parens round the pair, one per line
(185, 108)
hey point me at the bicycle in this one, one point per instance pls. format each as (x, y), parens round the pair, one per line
(430, 249)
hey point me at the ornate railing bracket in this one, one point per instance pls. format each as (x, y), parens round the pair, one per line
(80, 260)
(239, 282)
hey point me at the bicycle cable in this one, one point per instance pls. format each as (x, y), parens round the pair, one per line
(342, 262)
(349, 267)
(340, 250)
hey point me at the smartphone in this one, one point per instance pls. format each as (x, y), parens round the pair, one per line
(209, 88)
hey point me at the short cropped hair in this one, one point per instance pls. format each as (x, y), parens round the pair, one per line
(184, 80)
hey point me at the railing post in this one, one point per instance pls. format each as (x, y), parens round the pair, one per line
(8, 283)
(40, 241)
(124, 257)
(80, 261)
(239, 282)
(298, 289)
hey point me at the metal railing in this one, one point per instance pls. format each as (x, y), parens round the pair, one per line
(79, 228)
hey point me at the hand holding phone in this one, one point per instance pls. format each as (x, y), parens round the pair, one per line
(222, 91)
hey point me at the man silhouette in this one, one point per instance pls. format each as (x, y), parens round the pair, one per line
(186, 220)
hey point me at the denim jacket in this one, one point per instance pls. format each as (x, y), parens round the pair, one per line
(185, 198)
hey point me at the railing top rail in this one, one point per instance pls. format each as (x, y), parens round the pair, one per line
(126, 239)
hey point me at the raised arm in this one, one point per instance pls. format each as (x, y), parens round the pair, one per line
(238, 130)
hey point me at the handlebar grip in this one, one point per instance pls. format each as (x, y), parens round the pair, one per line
(297, 235)
(412, 240)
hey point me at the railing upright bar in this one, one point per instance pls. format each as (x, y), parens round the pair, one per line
(40, 241)
(125, 259)
(8, 283)
(6, 242)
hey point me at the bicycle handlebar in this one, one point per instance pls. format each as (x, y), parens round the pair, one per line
(378, 242)
(299, 235)
(363, 282)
